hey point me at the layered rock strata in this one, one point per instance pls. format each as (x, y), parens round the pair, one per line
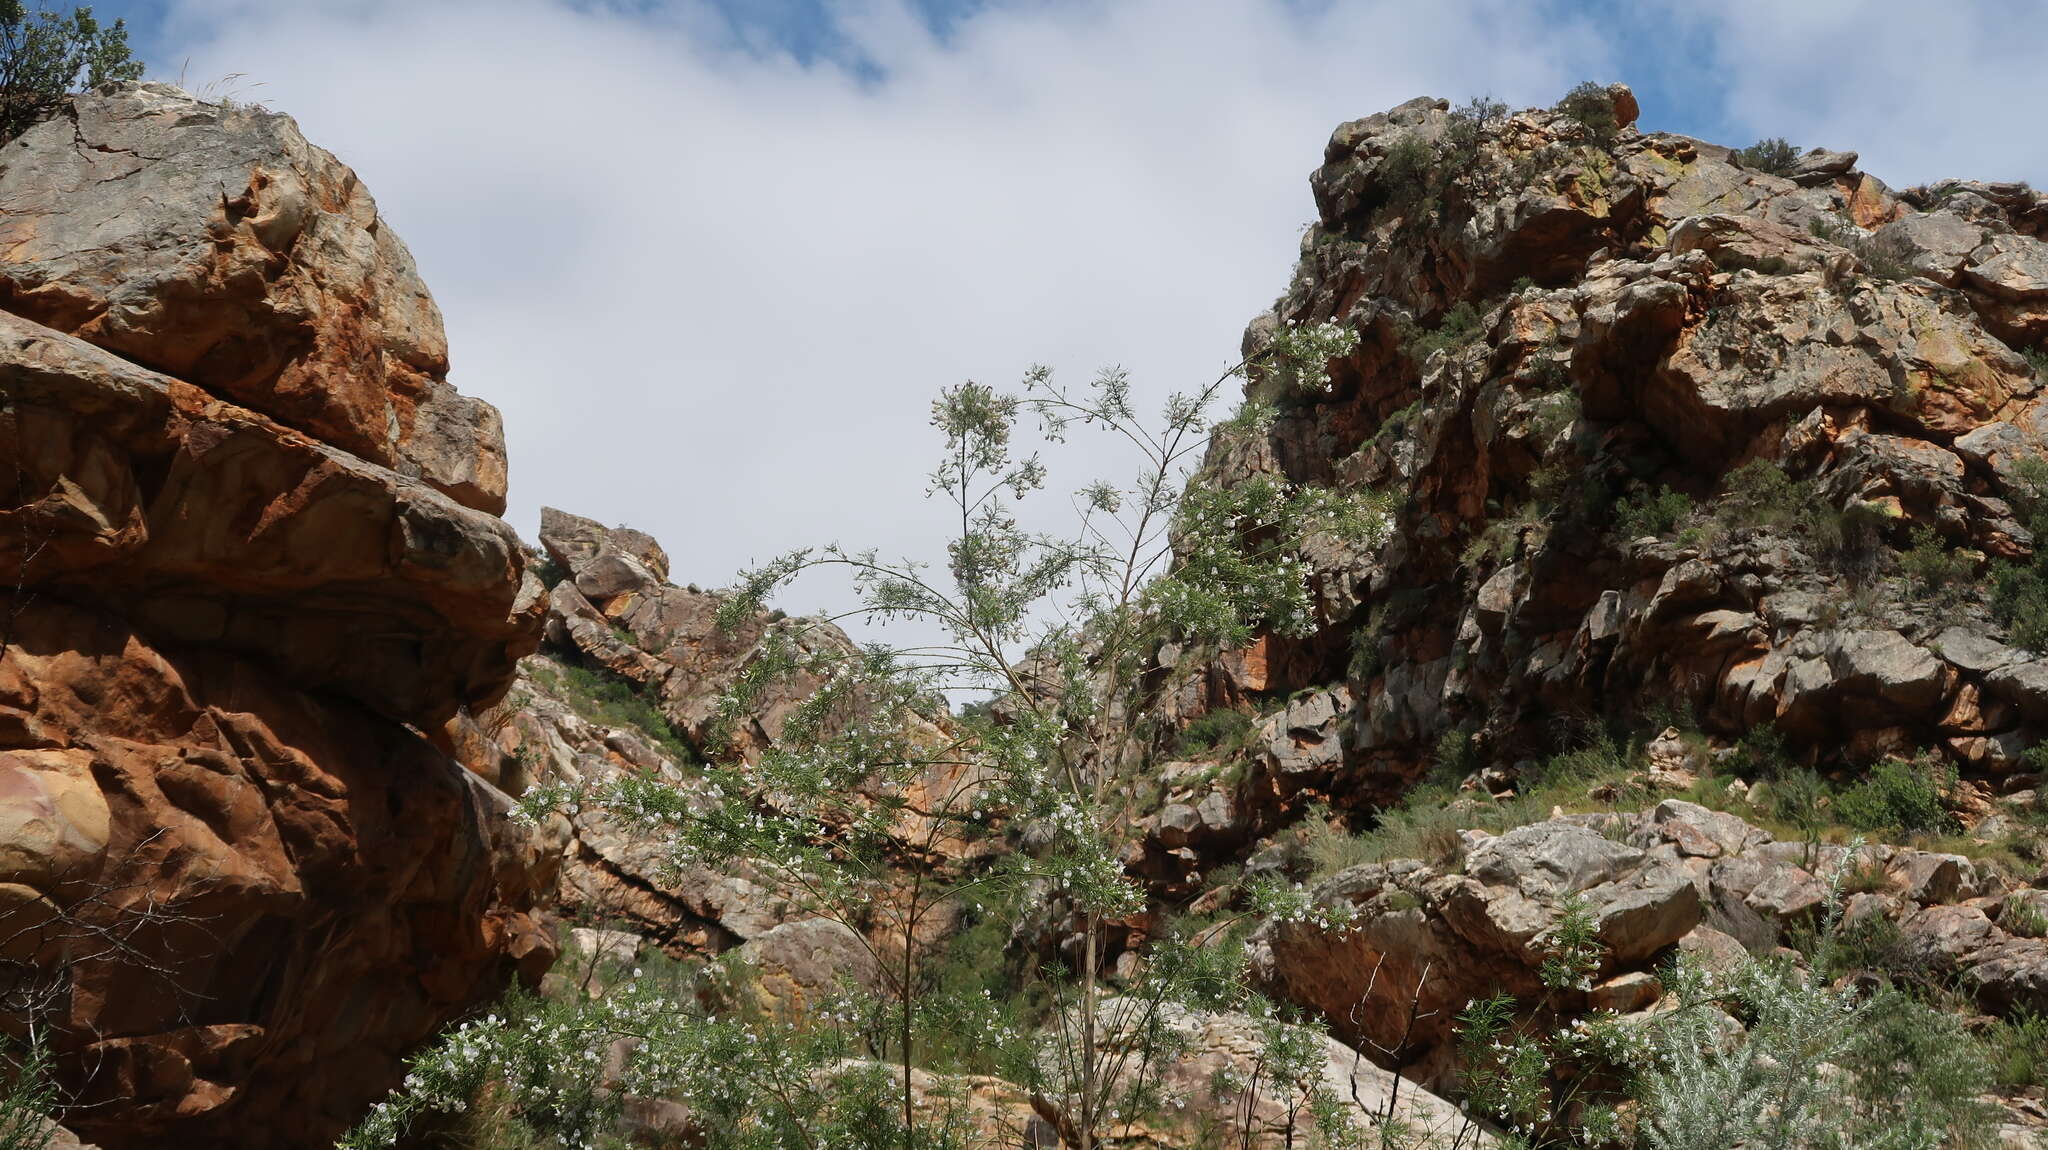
(250, 543)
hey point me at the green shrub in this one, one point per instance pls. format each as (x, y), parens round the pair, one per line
(1643, 513)
(2019, 599)
(45, 57)
(1416, 175)
(1799, 796)
(2018, 916)
(1760, 754)
(2019, 591)
(1932, 571)
(1405, 175)
(1949, 1069)
(1760, 494)
(1458, 327)
(1887, 256)
(1422, 827)
(1396, 425)
(1501, 540)
(1772, 155)
(1223, 729)
(609, 700)
(1819, 1061)
(2037, 358)
(1463, 133)
(1899, 795)
(1457, 755)
(1366, 656)
(1554, 414)
(1872, 946)
(1591, 105)
(2018, 1045)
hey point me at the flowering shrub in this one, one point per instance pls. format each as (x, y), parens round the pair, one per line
(865, 772)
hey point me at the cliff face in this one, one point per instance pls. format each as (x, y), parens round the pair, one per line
(1558, 325)
(1667, 440)
(250, 539)
(629, 679)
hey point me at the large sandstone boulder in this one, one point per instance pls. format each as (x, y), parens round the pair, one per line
(1216, 1081)
(252, 557)
(260, 898)
(211, 242)
(211, 524)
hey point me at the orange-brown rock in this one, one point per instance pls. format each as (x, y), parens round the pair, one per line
(247, 535)
(212, 524)
(669, 639)
(259, 898)
(613, 615)
(213, 243)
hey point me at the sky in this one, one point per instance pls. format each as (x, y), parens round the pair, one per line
(713, 259)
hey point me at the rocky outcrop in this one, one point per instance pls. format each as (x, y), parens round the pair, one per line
(252, 555)
(618, 630)
(212, 525)
(613, 873)
(1218, 1078)
(1426, 939)
(212, 243)
(1556, 326)
(616, 609)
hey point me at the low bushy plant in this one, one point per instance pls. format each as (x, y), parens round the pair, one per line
(2037, 358)
(1593, 107)
(1657, 514)
(1899, 795)
(1800, 797)
(1458, 328)
(2019, 590)
(1773, 155)
(1932, 571)
(2019, 1049)
(1759, 495)
(1220, 730)
(1406, 175)
(1817, 1063)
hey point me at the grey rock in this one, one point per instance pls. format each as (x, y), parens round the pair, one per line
(1820, 166)
(1551, 858)
(1937, 244)
(1886, 664)
(2025, 684)
(2011, 267)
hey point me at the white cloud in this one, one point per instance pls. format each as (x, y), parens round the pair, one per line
(1922, 93)
(712, 289)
